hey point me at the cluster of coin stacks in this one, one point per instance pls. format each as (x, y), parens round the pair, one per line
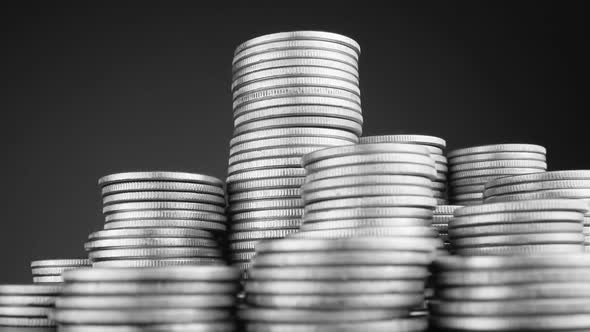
(435, 145)
(28, 306)
(50, 270)
(512, 293)
(573, 184)
(520, 227)
(471, 168)
(368, 185)
(440, 221)
(353, 284)
(172, 298)
(293, 93)
(159, 218)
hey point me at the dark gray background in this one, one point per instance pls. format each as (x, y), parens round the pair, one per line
(89, 91)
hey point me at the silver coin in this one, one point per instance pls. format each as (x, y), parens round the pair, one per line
(151, 288)
(377, 158)
(148, 243)
(266, 204)
(185, 273)
(366, 180)
(262, 164)
(559, 285)
(523, 249)
(509, 217)
(497, 148)
(30, 289)
(158, 262)
(313, 315)
(532, 205)
(47, 279)
(446, 209)
(537, 186)
(520, 228)
(166, 223)
(60, 262)
(339, 273)
(253, 78)
(27, 300)
(26, 322)
(163, 196)
(266, 174)
(17, 311)
(296, 82)
(259, 235)
(373, 169)
(139, 316)
(154, 252)
(498, 172)
(296, 62)
(366, 191)
(299, 35)
(166, 214)
(293, 132)
(169, 205)
(55, 271)
(467, 197)
(297, 40)
(583, 194)
(299, 122)
(245, 245)
(477, 188)
(519, 307)
(408, 240)
(286, 152)
(301, 105)
(253, 117)
(482, 180)
(547, 322)
(413, 324)
(498, 164)
(290, 213)
(265, 184)
(374, 201)
(266, 224)
(286, 142)
(368, 222)
(495, 263)
(338, 302)
(193, 327)
(472, 158)
(150, 233)
(414, 139)
(146, 301)
(161, 186)
(364, 258)
(316, 287)
(362, 149)
(541, 177)
(293, 54)
(517, 239)
(369, 212)
(159, 176)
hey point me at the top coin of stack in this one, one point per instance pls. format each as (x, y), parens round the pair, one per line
(470, 168)
(293, 93)
(512, 293)
(574, 184)
(435, 146)
(50, 270)
(518, 228)
(159, 218)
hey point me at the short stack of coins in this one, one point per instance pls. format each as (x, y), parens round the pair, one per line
(293, 93)
(512, 293)
(159, 218)
(353, 284)
(172, 298)
(385, 185)
(572, 184)
(50, 270)
(440, 221)
(519, 228)
(471, 168)
(435, 145)
(28, 306)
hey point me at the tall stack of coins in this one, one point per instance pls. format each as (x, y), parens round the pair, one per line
(354, 284)
(471, 168)
(572, 184)
(50, 270)
(293, 93)
(435, 146)
(512, 293)
(27, 306)
(519, 228)
(173, 298)
(159, 218)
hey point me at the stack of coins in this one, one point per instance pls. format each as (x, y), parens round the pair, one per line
(50, 270)
(471, 168)
(435, 145)
(521, 227)
(355, 284)
(159, 218)
(518, 293)
(440, 221)
(574, 184)
(293, 93)
(368, 185)
(179, 298)
(27, 306)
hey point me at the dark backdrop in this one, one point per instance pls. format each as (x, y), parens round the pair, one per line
(89, 91)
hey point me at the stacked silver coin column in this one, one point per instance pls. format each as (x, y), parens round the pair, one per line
(50, 270)
(471, 168)
(519, 228)
(353, 284)
(573, 184)
(512, 293)
(159, 218)
(172, 298)
(28, 306)
(435, 145)
(440, 221)
(293, 93)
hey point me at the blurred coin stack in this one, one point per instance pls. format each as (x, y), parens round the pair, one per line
(27, 306)
(50, 270)
(368, 185)
(173, 298)
(435, 146)
(572, 184)
(354, 284)
(159, 218)
(440, 221)
(518, 293)
(471, 168)
(293, 93)
(519, 228)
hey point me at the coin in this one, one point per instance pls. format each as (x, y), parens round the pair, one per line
(522, 249)
(394, 158)
(344, 258)
(265, 184)
(146, 301)
(168, 205)
(511, 323)
(45, 279)
(493, 156)
(41, 271)
(245, 80)
(339, 273)
(406, 240)
(148, 243)
(151, 233)
(159, 176)
(543, 194)
(498, 172)
(266, 174)
(30, 289)
(299, 121)
(151, 288)
(293, 54)
(415, 139)
(161, 186)
(294, 92)
(288, 213)
(537, 186)
(374, 201)
(193, 327)
(157, 262)
(512, 217)
(163, 196)
(498, 164)
(293, 132)
(518, 239)
(139, 316)
(251, 48)
(155, 252)
(373, 169)
(531, 148)
(369, 212)
(533, 205)
(27, 300)
(266, 224)
(297, 62)
(166, 223)
(26, 322)
(334, 287)
(520, 228)
(519, 307)
(366, 191)
(318, 101)
(363, 149)
(313, 316)
(17, 311)
(564, 288)
(60, 262)
(259, 235)
(338, 302)
(413, 324)
(369, 222)
(366, 180)
(166, 214)
(271, 163)
(540, 177)
(266, 204)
